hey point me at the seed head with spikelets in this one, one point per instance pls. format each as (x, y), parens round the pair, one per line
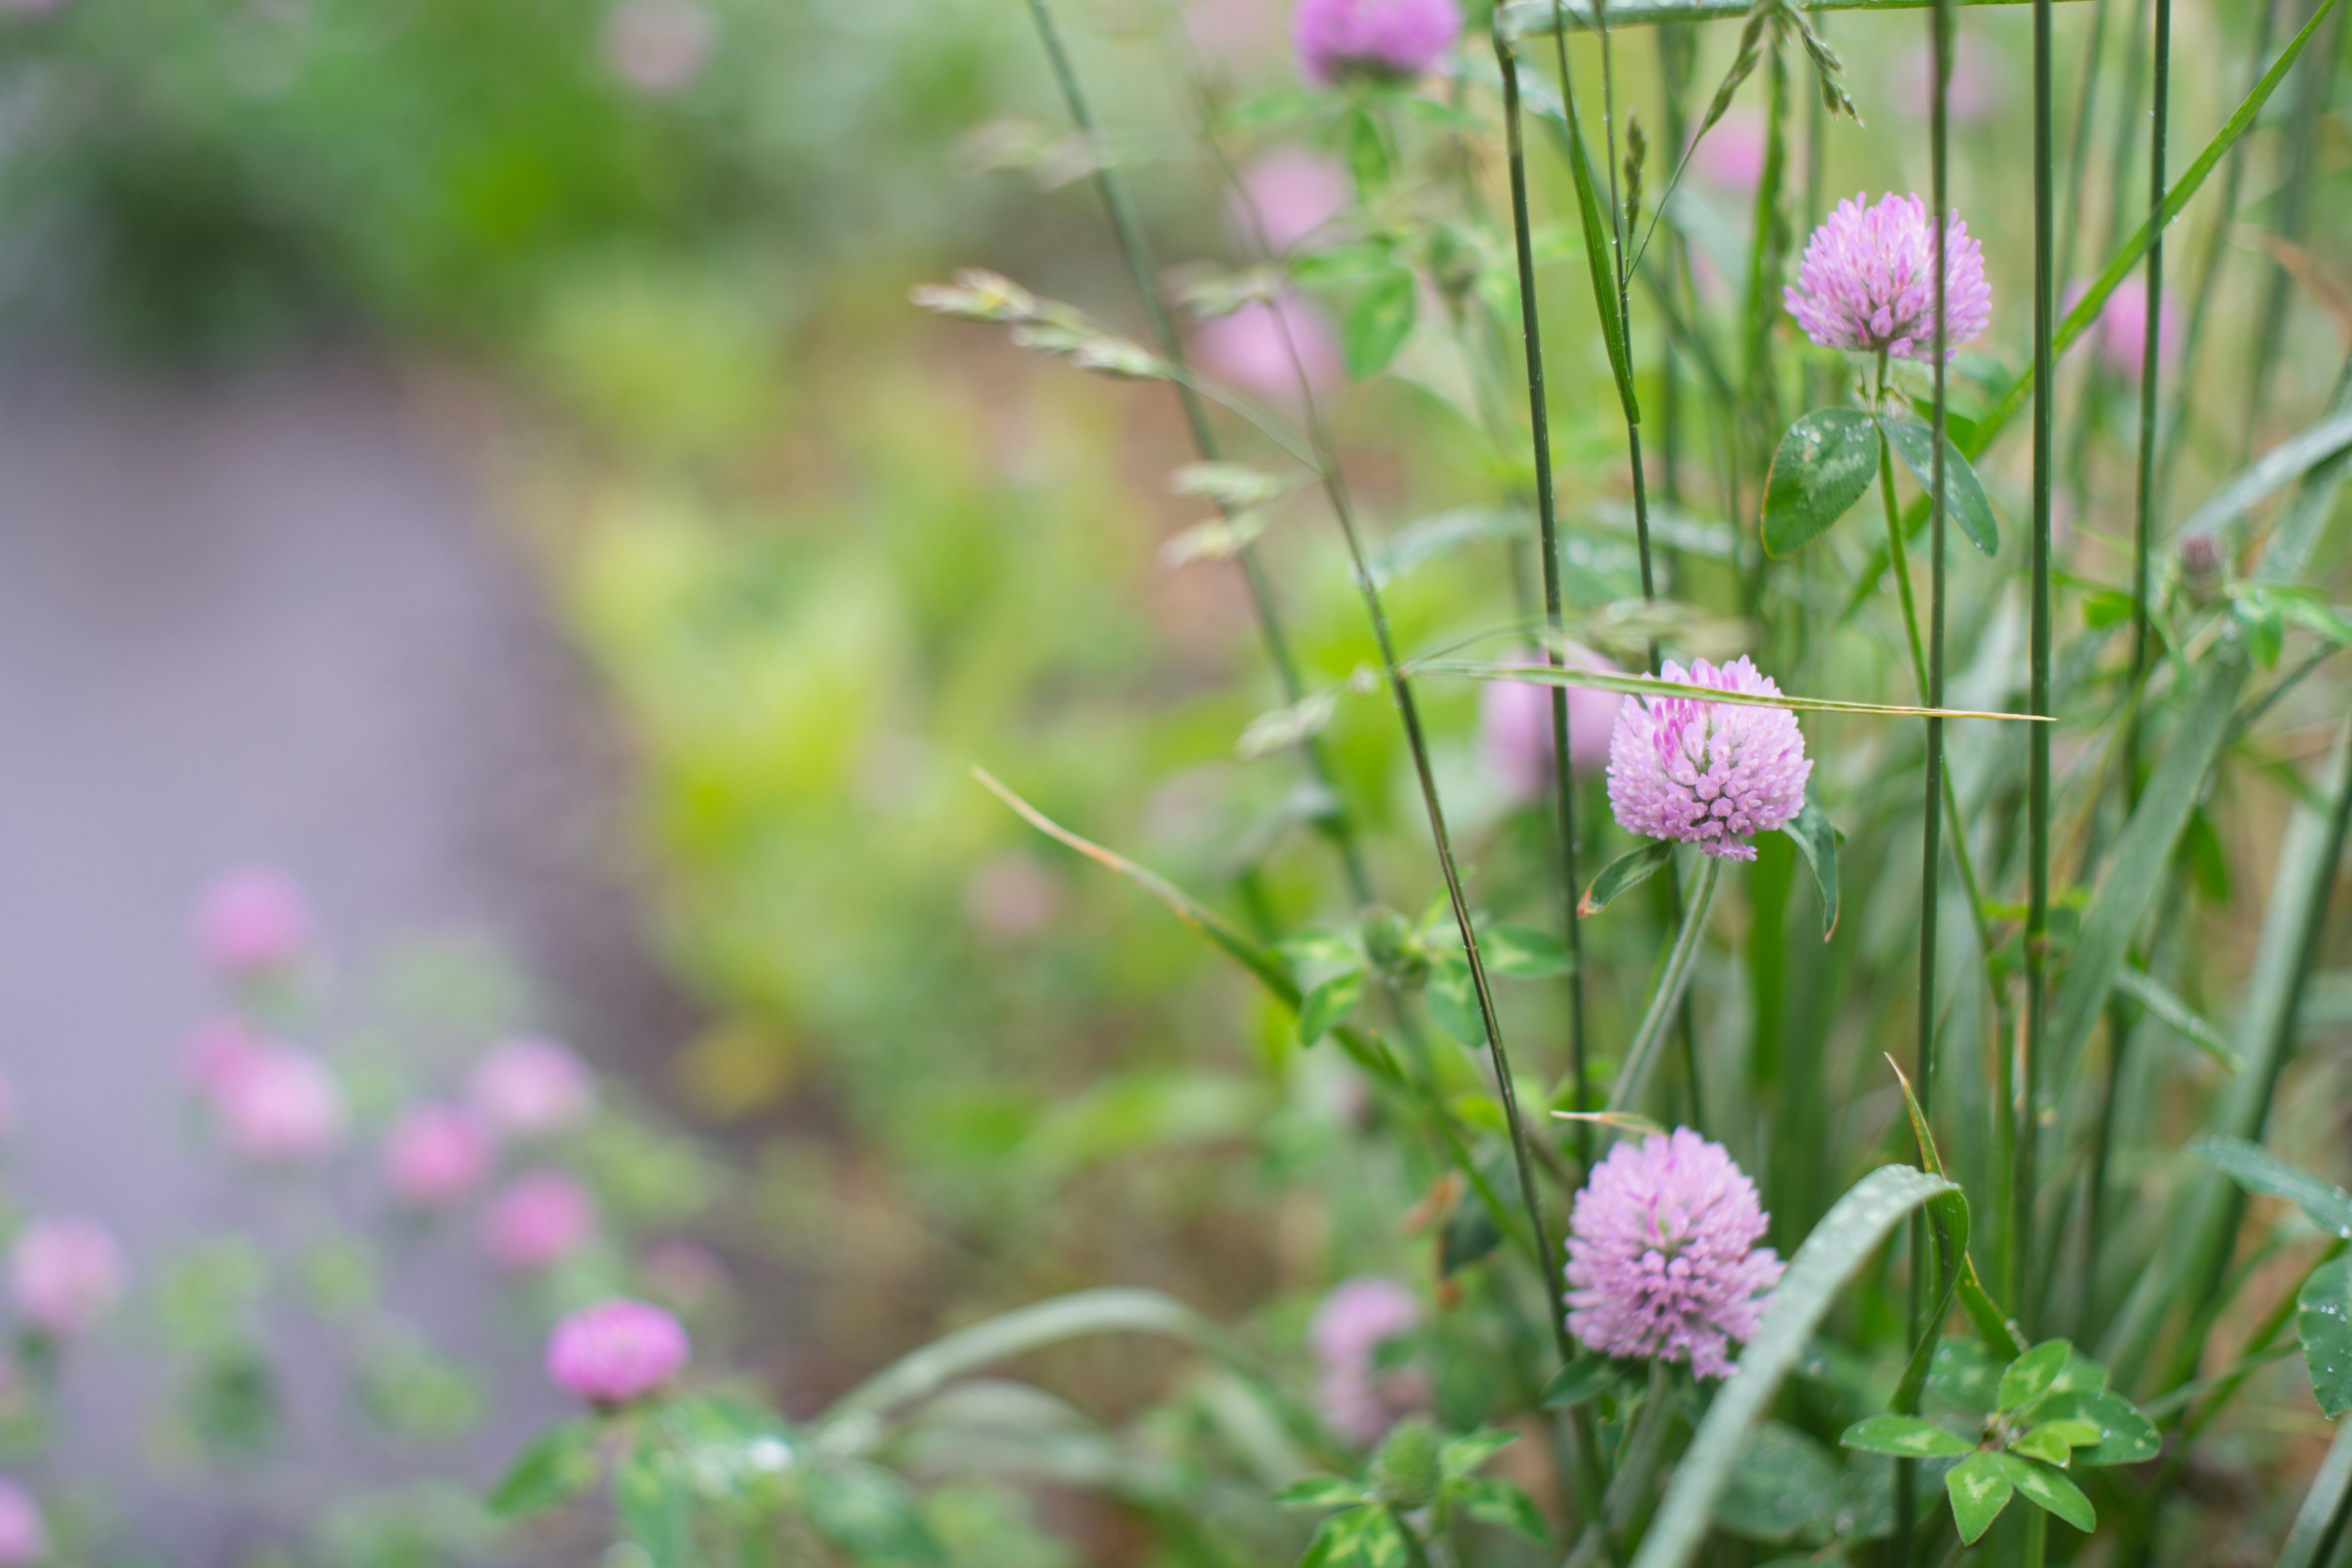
(1662, 1257)
(1709, 774)
(1868, 281)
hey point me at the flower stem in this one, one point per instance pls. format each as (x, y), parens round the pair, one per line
(1671, 984)
(1546, 525)
(2024, 1107)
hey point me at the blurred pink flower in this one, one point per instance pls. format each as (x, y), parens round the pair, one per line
(1291, 192)
(24, 1538)
(1974, 91)
(615, 1352)
(529, 1086)
(657, 46)
(1387, 39)
(215, 1051)
(437, 1154)
(541, 1219)
(1011, 895)
(251, 920)
(280, 1105)
(1252, 349)
(2123, 328)
(1360, 1400)
(1514, 727)
(1709, 774)
(1730, 157)
(64, 1275)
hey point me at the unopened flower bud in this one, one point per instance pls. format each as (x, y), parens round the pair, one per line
(1405, 1472)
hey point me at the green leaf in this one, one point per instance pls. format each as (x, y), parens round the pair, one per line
(2047, 1489)
(1824, 463)
(1498, 1502)
(871, 1514)
(1965, 1373)
(1322, 1492)
(2125, 1436)
(1328, 1005)
(654, 1504)
(1816, 838)
(1377, 323)
(1523, 952)
(2323, 1318)
(1979, 1488)
(2044, 1444)
(2033, 1375)
(1625, 871)
(2287, 461)
(1906, 1438)
(1964, 495)
(556, 1467)
(2258, 1170)
(1337, 1539)
(2176, 1015)
(1585, 1378)
(1453, 1002)
(1837, 1250)
(1466, 1454)
(2105, 607)
(1788, 1487)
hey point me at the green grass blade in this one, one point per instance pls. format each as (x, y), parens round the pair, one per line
(1538, 18)
(1831, 1255)
(2177, 1016)
(2321, 1520)
(1650, 686)
(2283, 464)
(2258, 1170)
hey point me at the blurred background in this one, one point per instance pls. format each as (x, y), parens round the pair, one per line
(476, 456)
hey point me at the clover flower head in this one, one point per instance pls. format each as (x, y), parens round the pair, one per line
(1662, 1257)
(1868, 281)
(1709, 774)
(437, 1154)
(252, 920)
(1514, 727)
(616, 1350)
(23, 1537)
(1389, 39)
(2123, 329)
(530, 1085)
(1359, 1399)
(278, 1104)
(64, 1275)
(542, 1218)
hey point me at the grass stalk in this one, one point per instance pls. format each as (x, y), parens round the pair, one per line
(2302, 137)
(1672, 982)
(2025, 1105)
(1127, 226)
(1546, 525)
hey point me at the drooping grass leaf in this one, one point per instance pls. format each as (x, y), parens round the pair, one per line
(1627, 870)
(2287, 461)
(2258, 1170)
(1820, 469)
(1837, 1248)
(1816, 838)
(2176, 1015)
(1965, 502)
(1651, 686)
(2323, 1321)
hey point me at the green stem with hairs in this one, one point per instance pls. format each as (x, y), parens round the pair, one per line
(1671, 983)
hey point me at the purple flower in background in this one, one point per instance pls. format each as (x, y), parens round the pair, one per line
(1011, 895)
(24, 1538)
(541, 1219)
(1868, 281)
(1286, 196)
(1389, 39)
(1360, 1400)
(658, 48)
(64, 1275)
(252, 920)
(280, 1105)
(615, 1352)
(1514, 727)
(1709, 774)
(1662, 1255)
(437, 1154)
(1730, 157)
(1252, 349)
(530, 1085)
(2123, 328)
(686, 1274)
(1973, 91)
(216, 1052)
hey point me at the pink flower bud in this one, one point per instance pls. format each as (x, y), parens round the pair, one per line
(616, 1352)
(541, 1219)
(24, 1539)
(251, 920)
(65, 1274)
(1359, 1399)
(657, 46)
(279, 1106)
(437, 1156)
(531, 1086)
